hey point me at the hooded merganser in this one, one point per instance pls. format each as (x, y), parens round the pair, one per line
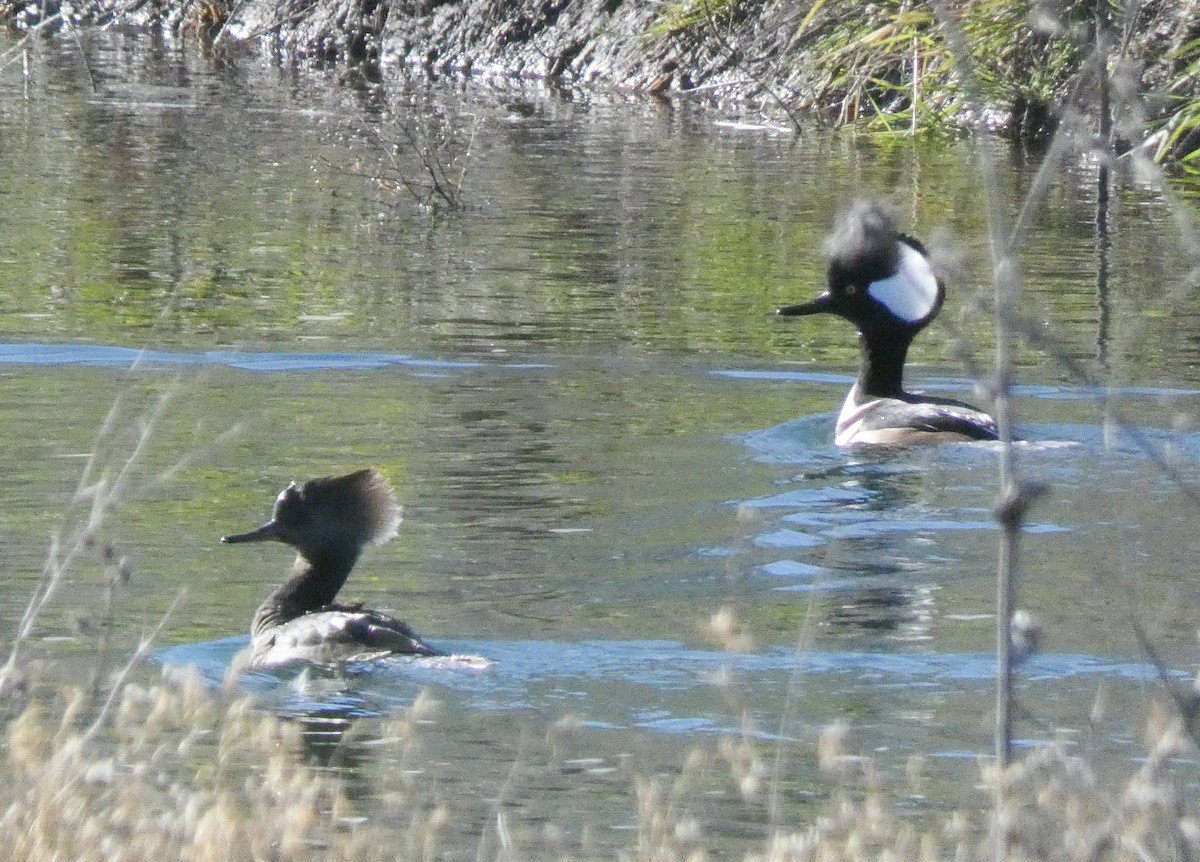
(882, 282)
(328, 521)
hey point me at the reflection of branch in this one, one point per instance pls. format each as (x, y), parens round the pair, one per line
(87, 67)
(60, 17)
(18, 49)
(434, 151)
(466, 158)
(431, 161)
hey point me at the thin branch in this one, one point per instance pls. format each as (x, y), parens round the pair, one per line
(119, 683)
(69, 543)
(19, 47)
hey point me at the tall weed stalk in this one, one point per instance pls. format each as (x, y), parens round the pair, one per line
(1087, 118)
(111, 477)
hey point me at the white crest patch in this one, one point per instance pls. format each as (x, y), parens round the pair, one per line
(911, 293)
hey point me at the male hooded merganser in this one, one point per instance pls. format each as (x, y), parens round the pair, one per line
(882, 282)
(328, 521)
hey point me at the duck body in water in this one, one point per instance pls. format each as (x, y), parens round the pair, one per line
(328, 521)
(881, 281)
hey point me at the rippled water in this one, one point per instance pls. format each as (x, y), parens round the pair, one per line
(600, 434)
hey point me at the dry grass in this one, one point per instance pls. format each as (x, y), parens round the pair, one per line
(184, 772)
(1057, 808)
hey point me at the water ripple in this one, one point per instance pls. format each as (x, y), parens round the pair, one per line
(535, 674)
(112, 356)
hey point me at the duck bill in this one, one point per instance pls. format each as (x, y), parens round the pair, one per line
(821, 305)
(265, 533)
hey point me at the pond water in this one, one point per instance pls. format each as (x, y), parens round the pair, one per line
(601, 436)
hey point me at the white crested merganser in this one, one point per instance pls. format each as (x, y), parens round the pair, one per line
(881, 280)
(328, 521)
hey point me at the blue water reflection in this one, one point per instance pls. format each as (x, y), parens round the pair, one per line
(111, 356)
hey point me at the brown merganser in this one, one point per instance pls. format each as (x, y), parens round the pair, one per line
(328, 521)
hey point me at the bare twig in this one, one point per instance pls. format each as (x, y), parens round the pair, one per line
(1010, 512)
(428, 147)
(18, 49)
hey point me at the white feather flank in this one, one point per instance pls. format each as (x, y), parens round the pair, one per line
(911, 294)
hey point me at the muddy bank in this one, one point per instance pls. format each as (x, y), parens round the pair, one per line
(840, 61)
(627, 46)
(736, 56)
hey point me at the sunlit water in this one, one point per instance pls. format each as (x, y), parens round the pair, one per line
(601, 435)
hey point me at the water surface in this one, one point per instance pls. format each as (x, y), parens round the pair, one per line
(600, 434)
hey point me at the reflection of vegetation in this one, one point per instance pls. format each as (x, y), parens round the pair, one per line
(884, 64)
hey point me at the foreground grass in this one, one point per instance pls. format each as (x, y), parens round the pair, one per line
(181, 773)
(185, 772)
